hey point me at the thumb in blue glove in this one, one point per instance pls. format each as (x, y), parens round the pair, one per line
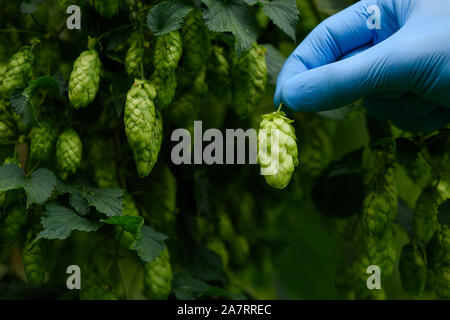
(402, 68)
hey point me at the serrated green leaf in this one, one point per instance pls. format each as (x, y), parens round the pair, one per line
(21, 99)
(131, 224)
(167, 16)
(107, 201)
(251, 2)
(284, 13)
(444, 213)
(232, 16)
(149, 244)
(274, 61)
(60, 221)
(38, 187)
(76, 200)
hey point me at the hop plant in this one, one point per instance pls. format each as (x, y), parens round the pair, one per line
(106, 8)
(196, 42)
(278, 160)
(42, 140)
(168, 50)
(218, 73)
(69, 151)
(438, 249)
(84, 79)
(165, 89)
(129, 208)
(12, 225)
(217, 246)
(143, 126)
(158, 277)
(425, 214)
(18, 71)
(34, 260)
(249, 80)
(413, 271)
(380, 202)
(6, 132)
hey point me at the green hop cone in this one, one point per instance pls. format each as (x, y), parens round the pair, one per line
(279, 160)
(184, 110)
(47, 58)
(443, 282)
(158, 277)
(425, 214)
(69, 151)
(18, 71)
(413, 270)
(166, 88)
(168, 50)
(143, 126)
(249, 80)
(7, 134)
(134, 58)
(84, 79)
(34, 260)
(106, 8)
(380, 202)
(42, 141)
(12, 225)
(381, 250)
(239, 250)
(218, 73)
(196, 42)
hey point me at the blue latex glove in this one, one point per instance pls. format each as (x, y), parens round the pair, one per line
(402, 69)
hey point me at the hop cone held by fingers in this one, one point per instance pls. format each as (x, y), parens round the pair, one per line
(158, 277)
(143, 126)
(168, 50)
(69, 151)
(42, 141)
(249, 80)
(196, 42)
(279, 160)
(84, 79)
(18, 71)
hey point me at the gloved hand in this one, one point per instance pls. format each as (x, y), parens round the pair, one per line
(402, 69)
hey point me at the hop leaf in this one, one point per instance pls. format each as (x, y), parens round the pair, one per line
(84, 79)
(277, 160)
